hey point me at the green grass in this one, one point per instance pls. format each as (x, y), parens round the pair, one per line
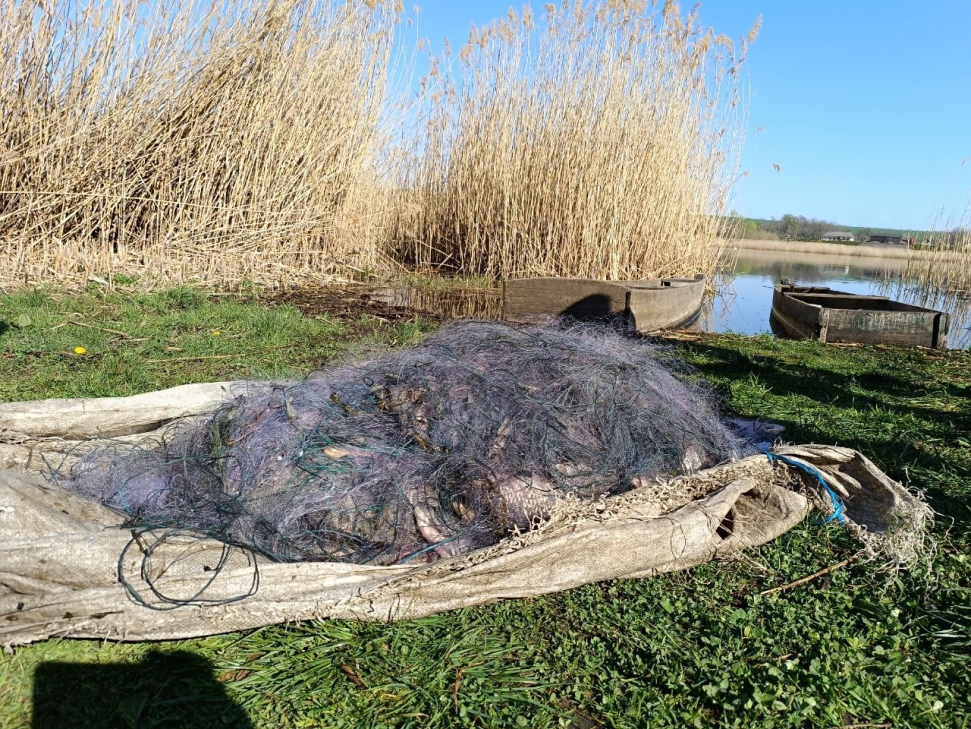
(144, 342)
(700, 648)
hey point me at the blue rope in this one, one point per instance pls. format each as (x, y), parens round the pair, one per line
(839, 508)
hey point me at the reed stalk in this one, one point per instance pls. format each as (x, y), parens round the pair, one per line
(185, 139)
(945, 264)
(599, 141)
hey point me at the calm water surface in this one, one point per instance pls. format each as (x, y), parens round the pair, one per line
(744, 299)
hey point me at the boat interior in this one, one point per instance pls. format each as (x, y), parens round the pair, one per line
(837, 300)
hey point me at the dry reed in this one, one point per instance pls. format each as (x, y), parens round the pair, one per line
(826, 249)
(600, 141)
(945, 264)
(188, 139)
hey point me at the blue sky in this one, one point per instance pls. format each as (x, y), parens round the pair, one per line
(864, 104)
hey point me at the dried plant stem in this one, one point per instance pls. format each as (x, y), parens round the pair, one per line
(189, 139)
(810, 578)
(600, 141)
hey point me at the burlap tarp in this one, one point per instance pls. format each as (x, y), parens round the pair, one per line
(68, 567)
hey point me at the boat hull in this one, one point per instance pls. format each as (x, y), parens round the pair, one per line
(647, 306)
(816, 312)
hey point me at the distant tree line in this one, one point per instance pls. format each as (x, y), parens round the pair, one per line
(788, 227)
(798, 227)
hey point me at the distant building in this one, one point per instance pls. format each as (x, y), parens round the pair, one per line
(840, 237)
(889, 239)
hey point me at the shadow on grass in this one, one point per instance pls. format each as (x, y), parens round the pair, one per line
(164, 690)
(886, 387)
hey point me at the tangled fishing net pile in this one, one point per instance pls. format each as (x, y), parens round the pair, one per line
(422, 453)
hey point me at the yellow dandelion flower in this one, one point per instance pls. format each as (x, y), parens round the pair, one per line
(216, 333)
(80, 350)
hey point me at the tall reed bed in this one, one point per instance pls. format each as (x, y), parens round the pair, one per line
(600, 140)
(938, 272)
(190, 138)
(825, 249)
(197, 139)
(945, 263)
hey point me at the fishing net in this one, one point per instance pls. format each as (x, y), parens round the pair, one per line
(418, 454)
(556, 449)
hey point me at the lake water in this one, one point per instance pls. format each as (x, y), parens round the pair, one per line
(744, 299)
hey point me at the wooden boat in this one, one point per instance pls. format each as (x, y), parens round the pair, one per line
(818, 312)
(647, 305)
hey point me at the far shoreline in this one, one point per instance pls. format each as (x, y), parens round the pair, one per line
(830, 249)
(898, 252)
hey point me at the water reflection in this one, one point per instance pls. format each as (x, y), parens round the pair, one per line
(451, 303)
(744, 298)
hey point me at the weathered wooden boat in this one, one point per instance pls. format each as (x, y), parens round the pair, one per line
(647, 305)
(818, 312)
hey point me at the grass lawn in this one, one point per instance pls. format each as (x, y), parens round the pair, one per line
(699, 648)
